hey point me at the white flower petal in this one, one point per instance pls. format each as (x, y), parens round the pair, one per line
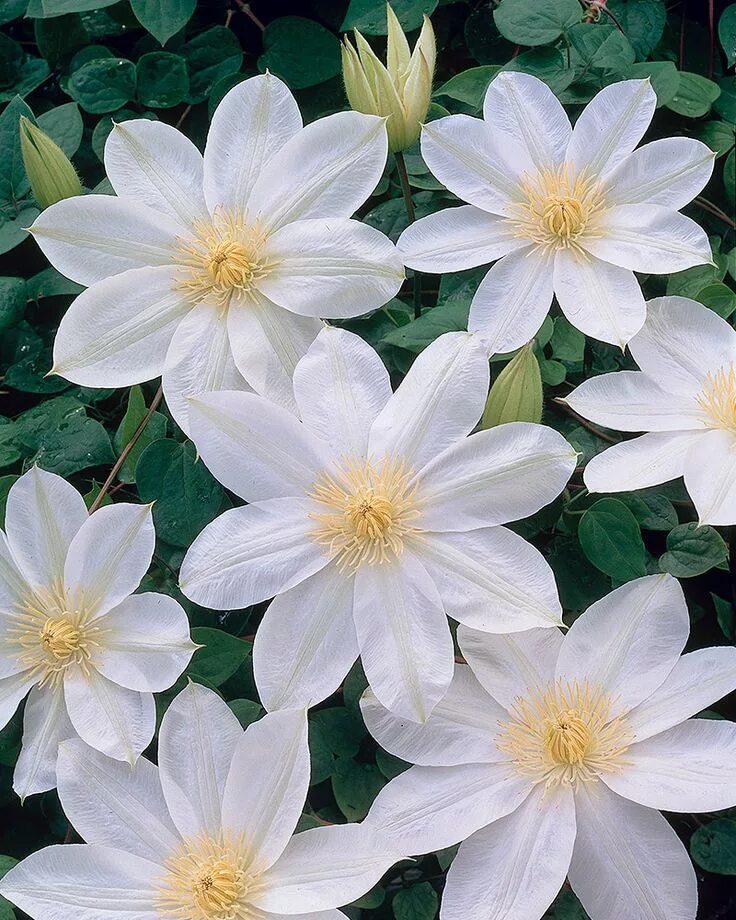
(460, 730)
(110, 718)
(688, 768)
(463, 155)
(514, 867)
(528, 113)
(331, 267)
(502, 474)
(680, 342)
(340, 386)
(602, 300)
(14, 588)
(256, 449)
(628, 862)
(90, 237)
(709, 477)
(610, 126)
(84, 882)
(197, 740)
(512, 666)
(306, 642)
(116, 333)
(45, 725)
(145, 643)
(650, 238)
(641, 462)
(199, 360)
(151, 163)
(439, 401)
(512, 300)
(456, 239)
(429, 808)
(250, 125)
(267, 785)
(109, 555)
(325, 866)
(248, 555)
(491, 579)
(668, 172)
(13, 689)
(698, 679)
(326, 170)
(628, 642)
(267, 344)
(405, 642)
(113, 804)
(632, 401)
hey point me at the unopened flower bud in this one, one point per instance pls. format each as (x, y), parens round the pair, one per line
(48, 168)
(400, 90)
(516, 394)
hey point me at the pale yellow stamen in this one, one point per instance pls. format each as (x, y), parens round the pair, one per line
(224, 259)
(564, 734)
(370, 510)
(560, 208)
(717, 399)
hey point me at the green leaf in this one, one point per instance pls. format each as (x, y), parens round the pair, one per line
(720, 136)
(713, 847)
(187, 496)
(247, 711)
(726, 616)
(725, 104)
(601, 47)
(220, 657)
(49, 8)
(163, 18)
(547, 64)
(300, 51)
(60, 37)
(155, 429)
(643, 22)
(12, 9)
(355, 786)
(333, 733)
(469, 86)
(664, 75)
(695, 95)
(64, 125)
(14, 230)
(419, 902)
(652, 511)
(369, 16)
(610, 537)
(210, 56)
(162, 79)
(692, 550)
(11, 59)
(103, 85)
(13, 181)
(77, 444)
(727, 33)
(13, 298)
(568, 343)
(718, 297)
(528, 22)
(10, 448)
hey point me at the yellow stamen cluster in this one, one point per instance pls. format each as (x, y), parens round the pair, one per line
(564, 735)
(224, 259)
(559, 208)
(51, 632)
(370, 510)
(206, 880)
(717, 399)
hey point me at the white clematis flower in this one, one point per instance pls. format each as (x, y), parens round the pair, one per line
(684, 397)
(372, 519)
(551, 757)
(567, 211)
(73, 636)
(206, 835)
(213, 269)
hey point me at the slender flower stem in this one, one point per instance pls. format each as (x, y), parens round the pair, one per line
(126, 450)
(412, 215)
(715, 211)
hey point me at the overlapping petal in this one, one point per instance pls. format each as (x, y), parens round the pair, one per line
(710, 465)
(641, 462)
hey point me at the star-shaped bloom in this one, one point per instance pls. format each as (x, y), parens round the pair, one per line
(373, 518)
(205, 835)
(684, 397)
(566, 211)
(551, 757)
(72, 632)
(213, 269)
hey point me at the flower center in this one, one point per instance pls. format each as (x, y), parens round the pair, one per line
(559, 207)
(206, 880)
(564, 734)
(717, 399)
(61, 637)
(369, 511)
(224, 259)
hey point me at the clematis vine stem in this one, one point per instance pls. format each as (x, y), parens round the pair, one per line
(411, 214)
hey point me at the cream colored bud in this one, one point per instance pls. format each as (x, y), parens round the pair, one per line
(48, 168)
(516, 394)
(400, 90)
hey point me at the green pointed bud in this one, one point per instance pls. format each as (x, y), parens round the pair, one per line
(400, 90)
(516, 394)
(48, 168)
